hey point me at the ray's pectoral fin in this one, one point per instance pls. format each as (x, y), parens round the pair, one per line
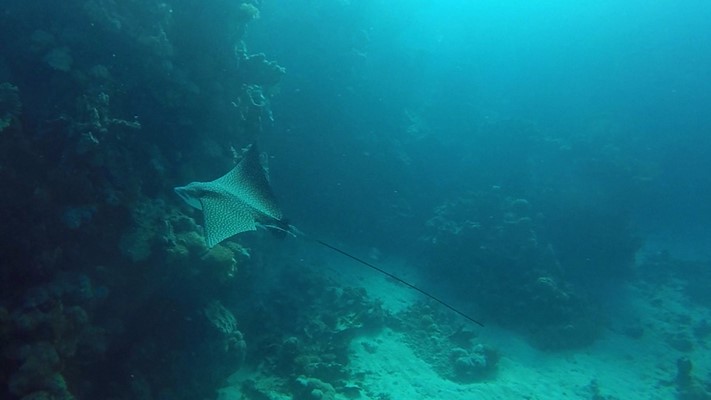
(225, 217)
(248, 181)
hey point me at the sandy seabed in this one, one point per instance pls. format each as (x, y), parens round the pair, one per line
(617, 366)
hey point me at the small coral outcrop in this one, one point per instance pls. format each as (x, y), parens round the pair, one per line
(451, 349)
(689, 387)
(513, 273)
(474, 364)
(313, 389)
(226, 323)
(50, 331)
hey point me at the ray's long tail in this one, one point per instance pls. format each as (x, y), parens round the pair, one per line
(284, 228)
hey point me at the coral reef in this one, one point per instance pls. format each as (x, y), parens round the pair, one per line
(451, 348)
(115, 106)
(51, 329)
(224, 321)
(221, 318)
(300, 339)
(513, 274)
(474, 364)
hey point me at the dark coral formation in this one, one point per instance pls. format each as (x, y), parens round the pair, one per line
(450, 347)
(495, 246)
(527, 242)
(51, 335)
(301, 338)
(103, 105)
(689, 387)
(151, 95)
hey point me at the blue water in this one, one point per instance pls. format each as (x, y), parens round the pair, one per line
(542, 167)
(629, 81)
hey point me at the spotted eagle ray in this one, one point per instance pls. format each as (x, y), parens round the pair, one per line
(242, 199)
(235, 202)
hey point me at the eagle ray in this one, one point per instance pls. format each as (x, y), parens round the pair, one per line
(237, 201)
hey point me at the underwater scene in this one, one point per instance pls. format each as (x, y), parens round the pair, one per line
(355, 199)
